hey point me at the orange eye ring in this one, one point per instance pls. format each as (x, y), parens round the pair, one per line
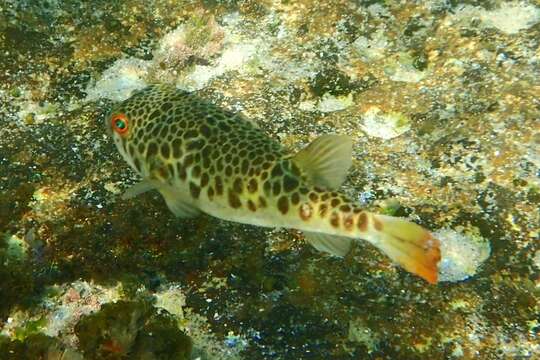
(119, 123)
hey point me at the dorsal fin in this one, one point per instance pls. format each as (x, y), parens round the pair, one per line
(326, 160)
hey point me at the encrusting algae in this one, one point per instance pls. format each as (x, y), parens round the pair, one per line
(204, 159)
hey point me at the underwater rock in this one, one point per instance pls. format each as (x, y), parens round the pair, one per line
(461, 254)
(131, 329)
(328, 103)
(382, 125)
(196, 41)
(405, 67)
(36, 346)
(331, 81)
(119, 80)
(373, 48)
(16, 248)
(509, 17)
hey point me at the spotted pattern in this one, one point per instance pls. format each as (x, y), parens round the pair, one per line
(217, 155)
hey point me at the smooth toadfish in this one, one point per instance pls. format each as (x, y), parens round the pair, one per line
(205, 159)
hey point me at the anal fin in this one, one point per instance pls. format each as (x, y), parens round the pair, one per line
(332, 244)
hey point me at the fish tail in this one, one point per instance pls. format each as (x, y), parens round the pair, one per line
(406, 243)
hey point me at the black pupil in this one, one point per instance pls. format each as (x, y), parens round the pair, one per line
(120, 124)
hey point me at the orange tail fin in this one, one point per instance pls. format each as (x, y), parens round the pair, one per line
(408, 244)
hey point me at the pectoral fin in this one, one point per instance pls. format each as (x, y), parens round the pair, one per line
(334, 245)
(179, 203)
(326, 160)
(137, 189)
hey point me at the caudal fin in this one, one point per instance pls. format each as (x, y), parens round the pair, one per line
(408, 244)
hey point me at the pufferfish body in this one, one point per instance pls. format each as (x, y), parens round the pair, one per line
(205, 159)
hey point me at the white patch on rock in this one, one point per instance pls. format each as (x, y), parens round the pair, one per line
(401, 68)
(373, 48)
(173, 300)
(461, 254)
(233, 58)
(378, 124)
(536, 259)
(328, 103)
(510, 17)
(120, 80)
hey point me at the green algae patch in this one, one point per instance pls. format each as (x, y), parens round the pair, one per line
(15, 248)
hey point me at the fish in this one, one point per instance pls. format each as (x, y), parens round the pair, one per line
(206, 159)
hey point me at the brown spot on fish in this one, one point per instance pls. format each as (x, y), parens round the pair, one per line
(290, 183)
(378, 224)
(295, 198)
(140, 148)
(238, 185)
(362, 222)
(205, 179)
(188, 160)
(205, 131)
(334, 219)
(210, 192)
(162, 172)
(234, 200)
(194, 190)
(322, 210)
(191, 134)
(251, 205)
(181, 171)
(335, 202)
(267, 187)
(276, 171)
(196, 172)
(283, 205)
(276, 188)
(348, 222)
(262, 202)
(177, 148)
(152, 150)
(313, 197)
(252, 185)
(219, 185)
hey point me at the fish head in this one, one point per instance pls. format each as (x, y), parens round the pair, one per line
(131, 124)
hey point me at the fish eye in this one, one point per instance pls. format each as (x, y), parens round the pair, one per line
(119, 123)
